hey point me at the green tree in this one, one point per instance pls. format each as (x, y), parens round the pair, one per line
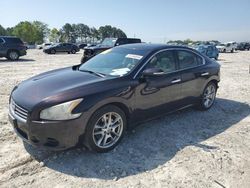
(109, 31)
(9, 31)
(68, 33)
(2, 30)
(42, 31)
(54, 35)
(26, 31)
(82, 31)
(94, 34)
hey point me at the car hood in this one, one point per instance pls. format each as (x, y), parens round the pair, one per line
(60, 84)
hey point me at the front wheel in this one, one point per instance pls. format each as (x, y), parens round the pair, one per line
(73, 51)
(52, 51)
(208, 96)
(105, 129)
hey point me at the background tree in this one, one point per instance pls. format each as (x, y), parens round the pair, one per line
(94, 35)
(109, 31)
(27, 32)
(68, 33)
(9, 31)
(54, 35)
(2, 30)
(42, 31)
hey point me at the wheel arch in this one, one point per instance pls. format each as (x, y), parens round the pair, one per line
(9, 50)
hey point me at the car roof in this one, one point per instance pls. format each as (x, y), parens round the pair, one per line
(150, 47)
(8, 37)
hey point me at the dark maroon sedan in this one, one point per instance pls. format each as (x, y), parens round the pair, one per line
(94, 103)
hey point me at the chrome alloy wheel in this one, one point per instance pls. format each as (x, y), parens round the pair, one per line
(209, 96)
(107, 130)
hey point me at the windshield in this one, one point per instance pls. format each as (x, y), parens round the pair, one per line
(114, 62)
(108, 42)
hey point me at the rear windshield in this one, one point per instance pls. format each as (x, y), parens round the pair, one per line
(14, 40)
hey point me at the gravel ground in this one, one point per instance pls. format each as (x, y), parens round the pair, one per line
(186, 149)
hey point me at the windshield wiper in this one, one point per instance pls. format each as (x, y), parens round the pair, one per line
(92, 72)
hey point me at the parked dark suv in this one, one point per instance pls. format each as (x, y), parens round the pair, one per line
(61, 47)
(12, 47)
(106, 44)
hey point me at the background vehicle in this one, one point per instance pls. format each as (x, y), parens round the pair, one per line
(94, 102)
(61, 47)
(209, 50)
(107, 43)
(42, 46)
(82, 46)
(243, 46)
(12, 47)
(227, 47)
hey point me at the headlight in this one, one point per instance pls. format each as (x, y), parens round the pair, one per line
(61, 111)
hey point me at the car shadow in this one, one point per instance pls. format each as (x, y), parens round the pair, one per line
(17, 61)
(147, 146)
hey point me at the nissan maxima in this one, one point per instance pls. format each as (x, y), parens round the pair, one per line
(94, 103)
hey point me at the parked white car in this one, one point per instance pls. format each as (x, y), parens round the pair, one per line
(227, 47)
(42, 46)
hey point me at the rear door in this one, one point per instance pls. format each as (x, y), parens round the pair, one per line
(193, 75)
(2, 48)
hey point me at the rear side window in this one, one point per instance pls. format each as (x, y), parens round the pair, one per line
(188, 59)
(14, 40)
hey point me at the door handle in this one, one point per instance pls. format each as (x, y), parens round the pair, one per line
(175, 81)
(204, 73)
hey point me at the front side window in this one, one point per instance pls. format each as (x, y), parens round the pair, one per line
(163, 60)
(188, 59)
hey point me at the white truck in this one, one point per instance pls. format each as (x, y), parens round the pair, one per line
(227, 47)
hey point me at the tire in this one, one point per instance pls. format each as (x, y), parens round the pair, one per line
(83, 60)
(53, 51)
(216, 58)
(232, 51)
(73, 51)
(224, 51)
(101, 136)
(203, 103)
(13, 55)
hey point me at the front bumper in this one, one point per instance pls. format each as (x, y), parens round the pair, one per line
(22, 52)
(53, 135)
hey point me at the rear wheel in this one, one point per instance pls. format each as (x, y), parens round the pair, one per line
(73, 51)
(13, 55)
(105, 129)
(208, 96)
(53, 51)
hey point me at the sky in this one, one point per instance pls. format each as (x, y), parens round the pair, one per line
(155, 21)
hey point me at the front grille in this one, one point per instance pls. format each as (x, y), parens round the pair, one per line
(18, 110)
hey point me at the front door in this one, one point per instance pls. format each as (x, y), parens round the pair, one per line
(158, 94)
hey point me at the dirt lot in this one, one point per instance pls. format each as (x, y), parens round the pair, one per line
(186, 149)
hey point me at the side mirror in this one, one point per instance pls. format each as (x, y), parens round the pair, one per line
(153, 72)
